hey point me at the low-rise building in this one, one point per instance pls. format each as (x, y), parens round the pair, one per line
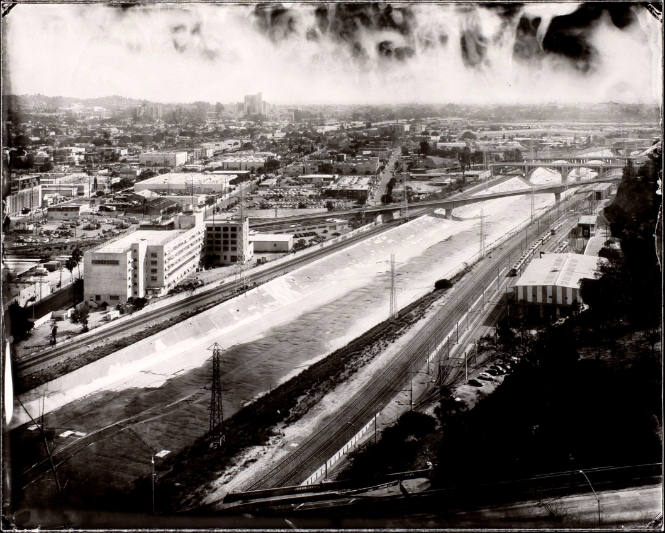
(163, 159)
(66, 212)
(183, 183)
(551, 283)
(349, 187)
(271, 242)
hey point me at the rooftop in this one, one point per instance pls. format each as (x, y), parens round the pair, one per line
(154, 238)
(187, 178)
(561, 270)
(588, 219)
(263, 237)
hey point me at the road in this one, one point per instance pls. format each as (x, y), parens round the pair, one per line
(333, 433)
(386, 174)
(202, 300)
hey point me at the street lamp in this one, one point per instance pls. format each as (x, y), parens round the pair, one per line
(594, 492)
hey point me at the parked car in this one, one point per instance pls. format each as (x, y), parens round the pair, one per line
(475, 383)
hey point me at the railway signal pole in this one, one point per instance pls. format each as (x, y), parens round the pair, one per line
(216, 408)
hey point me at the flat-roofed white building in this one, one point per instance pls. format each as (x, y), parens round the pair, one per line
(317, 179)
(144, 263)
(183, 183)
(244, 161)
(163, 159)
(66, 212)
(554, 280)
(271, 242)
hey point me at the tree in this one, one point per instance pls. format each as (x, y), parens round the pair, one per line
(77, 255)
(70, 265)
(464, 159)
(20, 323)
(271, 165)
(424, 147)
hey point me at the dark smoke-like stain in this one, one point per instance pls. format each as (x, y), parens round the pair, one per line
(275, 21)
(388, 50)
(344, 23)
(526, 45)
(568, 35)
(474, 48)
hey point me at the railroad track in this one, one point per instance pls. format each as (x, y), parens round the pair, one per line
(329, 438)
(205, 300)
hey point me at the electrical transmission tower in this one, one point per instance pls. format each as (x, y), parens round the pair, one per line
(216, 408)
(393, 303)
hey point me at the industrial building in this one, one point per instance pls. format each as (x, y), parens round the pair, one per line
(144, 263)
(349, 187)
(243, 161)
(551, 283)
(271, 242)
(28, 198)
(163, 159)
(66, 212)
(227, 241)
(184, 183)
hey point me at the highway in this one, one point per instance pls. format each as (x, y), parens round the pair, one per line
(205, 299)
(333, 433)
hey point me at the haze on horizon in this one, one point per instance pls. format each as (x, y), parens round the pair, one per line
(342, 54)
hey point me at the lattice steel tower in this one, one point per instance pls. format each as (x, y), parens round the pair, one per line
(216, 408)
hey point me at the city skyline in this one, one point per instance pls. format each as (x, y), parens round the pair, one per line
(299, 55)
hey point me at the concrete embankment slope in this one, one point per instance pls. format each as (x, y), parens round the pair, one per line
(151, 361)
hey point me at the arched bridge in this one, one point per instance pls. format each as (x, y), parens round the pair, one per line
(603, 166)
(447, 204)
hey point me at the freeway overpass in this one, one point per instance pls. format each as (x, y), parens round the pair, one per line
(446, 203)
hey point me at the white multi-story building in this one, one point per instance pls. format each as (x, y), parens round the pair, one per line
(227, 241)
(28, 198)
(163, 159)
(145, 263)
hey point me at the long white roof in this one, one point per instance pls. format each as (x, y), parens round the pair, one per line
(563, 270)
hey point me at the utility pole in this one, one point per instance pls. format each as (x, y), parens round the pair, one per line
(216, 408)
(393, 303)
(533, 202)
(406, 199)
(482, 235)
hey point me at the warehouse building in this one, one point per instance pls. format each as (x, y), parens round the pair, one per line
(163, 159)
(145, 263)
(271, 242)
(184, 183)
(551, 283)
(349, 187)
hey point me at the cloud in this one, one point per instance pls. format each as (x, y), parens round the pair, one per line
(338, 53)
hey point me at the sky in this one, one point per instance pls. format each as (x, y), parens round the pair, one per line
(304, 54)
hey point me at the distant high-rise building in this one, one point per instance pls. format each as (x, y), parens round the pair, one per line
(254, 104)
